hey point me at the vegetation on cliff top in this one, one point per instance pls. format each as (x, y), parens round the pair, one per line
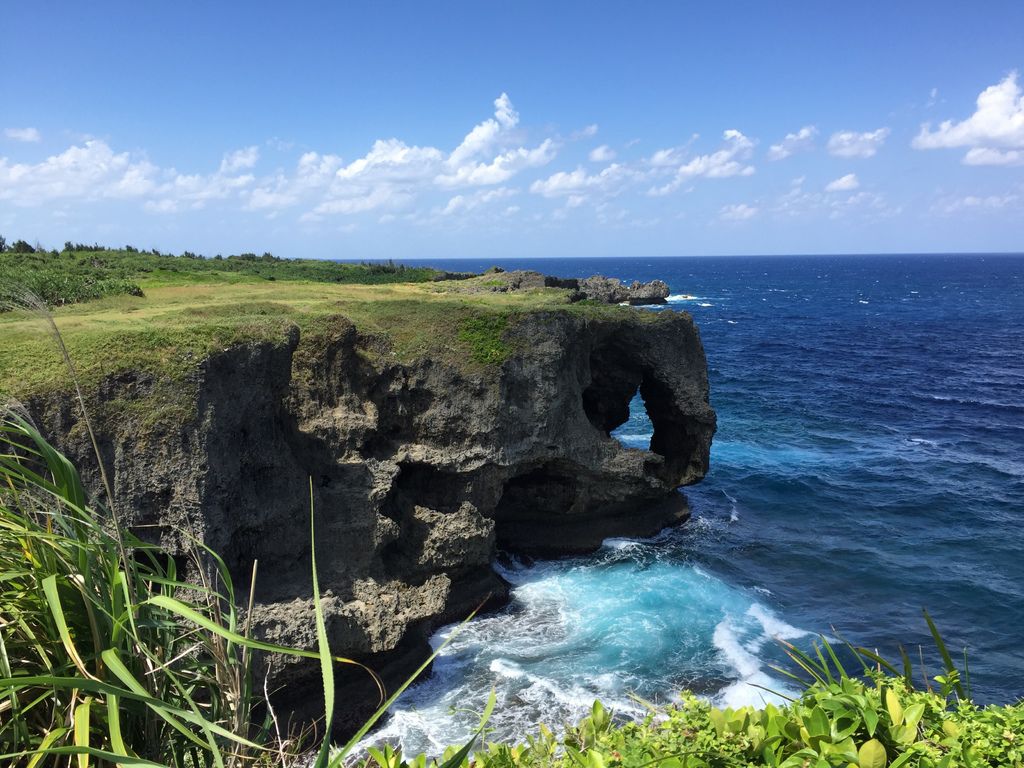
(106, 660)
(165, 314)
(86, 272)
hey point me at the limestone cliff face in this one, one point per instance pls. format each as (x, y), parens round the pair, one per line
(420, 470)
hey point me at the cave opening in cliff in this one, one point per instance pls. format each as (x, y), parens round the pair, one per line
(614, 401)
(637, 430)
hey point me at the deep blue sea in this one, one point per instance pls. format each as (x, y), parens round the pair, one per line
(869, 462)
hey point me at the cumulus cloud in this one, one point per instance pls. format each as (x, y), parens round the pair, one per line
(740, 212)
(501, 168)
(853, 144)
(490, 153)
(991, 156)
(240, 160)
(794, 142)
(845, 183)
(30, 135)
(579, 183)
(484, 136)
(728, 161)
(91, 171)
(994, 133)
(602, 154)
(389, 175)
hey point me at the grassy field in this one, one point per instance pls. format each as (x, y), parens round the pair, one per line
(182, 316)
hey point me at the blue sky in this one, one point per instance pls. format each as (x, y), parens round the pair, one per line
(514, 129)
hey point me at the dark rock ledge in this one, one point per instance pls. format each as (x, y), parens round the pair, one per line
(420, 470)
(604, 290)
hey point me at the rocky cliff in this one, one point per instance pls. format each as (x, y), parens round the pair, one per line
(420, 469)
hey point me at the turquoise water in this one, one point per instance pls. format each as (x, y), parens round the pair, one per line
(869, 463)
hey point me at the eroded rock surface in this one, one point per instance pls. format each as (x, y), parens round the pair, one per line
(420, 470)
(605, 290)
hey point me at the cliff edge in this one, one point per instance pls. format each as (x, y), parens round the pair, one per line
(421, 468)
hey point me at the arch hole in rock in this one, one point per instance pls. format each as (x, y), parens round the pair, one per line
(638, 429)
(629, 400)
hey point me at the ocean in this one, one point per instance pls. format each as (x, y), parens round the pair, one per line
(868, 464)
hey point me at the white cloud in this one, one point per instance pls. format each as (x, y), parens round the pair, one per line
(977, 203)
(798, 202)
(30, 135)
(264, 197)
(602, 154)
(491, 153)
(740, 212)
(469, 202)
(501, 168)
(93, 171)
(240, 160)
(393, 160)
(994, 133)
(991, 156)
(90, 171)
(853, 144)
(362, 200)
(197, 189)
(579, 182)
(793, 143)
(584, 133)
(485, 135)
(389, 175)
(846, 183)
(726, 162)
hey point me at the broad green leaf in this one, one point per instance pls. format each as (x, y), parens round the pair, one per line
(818, 724)
(871, 754)
(717, 720)
(870, 720)
(895, 709)
(912, 714)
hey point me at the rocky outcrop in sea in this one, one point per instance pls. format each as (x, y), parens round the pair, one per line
(421, 471)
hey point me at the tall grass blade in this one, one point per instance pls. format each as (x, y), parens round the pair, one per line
(947, 660)
(57, 611)
(326, 667)
(82, 723)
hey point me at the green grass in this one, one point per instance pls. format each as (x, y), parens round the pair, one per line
(485, 337)
(72, 276)
(168, 330)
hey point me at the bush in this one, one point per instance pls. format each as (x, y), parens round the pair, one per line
(874, 720)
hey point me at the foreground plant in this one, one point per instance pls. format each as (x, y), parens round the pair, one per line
(873, 720)
(109, 656)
